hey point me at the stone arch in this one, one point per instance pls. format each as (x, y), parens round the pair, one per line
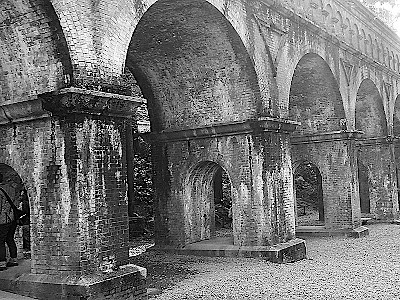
(199, 77)
(309, 193)
(286, 67)
(116, 36)
(315, 100)
(29, 63)
(198, 204)
(370, 115)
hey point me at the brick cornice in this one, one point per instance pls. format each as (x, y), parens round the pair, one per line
(82, 101)
(268, 124)
(70, 101)
(326, 137)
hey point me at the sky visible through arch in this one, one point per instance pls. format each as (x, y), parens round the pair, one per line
(387, 10)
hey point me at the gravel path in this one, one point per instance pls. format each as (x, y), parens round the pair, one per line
(336, 268)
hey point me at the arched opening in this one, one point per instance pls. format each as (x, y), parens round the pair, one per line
(363, 182)
(208, 209)
(15, 189)
(315, 99)
(223, 204)
(309, 195)
(373, 154)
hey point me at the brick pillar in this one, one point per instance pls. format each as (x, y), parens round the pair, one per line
(79, 223)
(334, 153)
(378, 157)
(256, 157)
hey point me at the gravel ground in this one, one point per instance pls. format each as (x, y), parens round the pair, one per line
(336, 268)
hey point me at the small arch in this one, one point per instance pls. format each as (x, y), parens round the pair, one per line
(371, 46)
(327, 12)
(200, 203)
(339, 24)
(356, 37)
(309, 194)
(364, 41)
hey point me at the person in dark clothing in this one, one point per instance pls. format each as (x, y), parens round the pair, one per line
(26, 236)
(8, 226)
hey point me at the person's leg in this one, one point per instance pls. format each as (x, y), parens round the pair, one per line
(12, 247)
(3, 236)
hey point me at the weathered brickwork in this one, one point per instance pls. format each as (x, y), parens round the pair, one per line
(259, 168)
(196, 73)
(336, 161)
(220, 78)
(382, 181)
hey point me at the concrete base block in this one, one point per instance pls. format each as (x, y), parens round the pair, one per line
(290, 251)
(129, 282)
(307, 231)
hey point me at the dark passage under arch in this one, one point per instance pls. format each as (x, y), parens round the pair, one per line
(309, 195)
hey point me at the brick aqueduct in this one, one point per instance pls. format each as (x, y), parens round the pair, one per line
(253, 87)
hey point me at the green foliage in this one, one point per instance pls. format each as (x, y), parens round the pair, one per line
(308, 186)
(143, 184)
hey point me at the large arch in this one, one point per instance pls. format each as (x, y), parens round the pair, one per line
(288, 61)
(32, 61)
(377, 172)
(192, 67)
(370, 114)
(315, 100)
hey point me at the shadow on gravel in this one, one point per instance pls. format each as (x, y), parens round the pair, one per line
(163, 271)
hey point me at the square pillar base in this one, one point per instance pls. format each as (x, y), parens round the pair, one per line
(129, 282)
(307, 231)
(290, 251)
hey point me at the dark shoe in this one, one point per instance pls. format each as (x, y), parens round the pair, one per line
(3, 266)
(12, 262)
